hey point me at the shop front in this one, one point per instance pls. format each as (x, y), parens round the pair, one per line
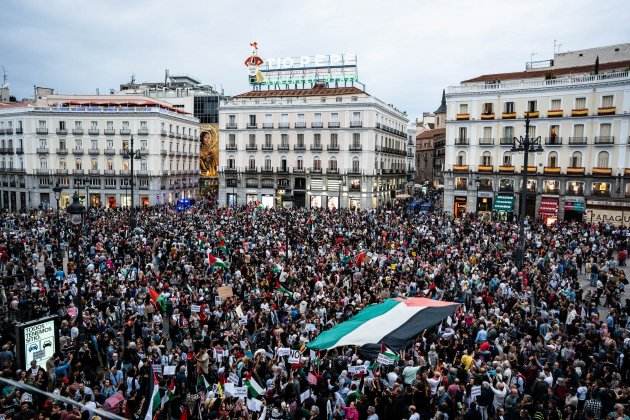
(317, 201)
(574, 209)
(548, 210)
(267, 200)
(111, 201)
(251, 199)
(503, 206)
(459, 208)
(611, 212)
(484, 205)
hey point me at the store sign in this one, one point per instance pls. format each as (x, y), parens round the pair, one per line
(610, 216)
(305, 61)
(307, 70)
(38, 341)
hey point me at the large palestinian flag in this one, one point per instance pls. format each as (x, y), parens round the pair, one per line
(393, 323)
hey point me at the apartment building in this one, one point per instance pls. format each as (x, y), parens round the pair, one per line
(315, 147)
(581, 113)
(82, 143)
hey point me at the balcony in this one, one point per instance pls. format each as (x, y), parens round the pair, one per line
(125, 131)
(231, 148)
(485, 168)
(600, 193)
(462, 116)
(62, 132)
(298, 170)
(94, 172)
(267, 147)
(486, 141)
(300, 124)
(142, 172)
(460, 168)
(77, 172)
(250, 170)
(267, 170)
(578, 141)
(299, 147)
(282, 170)
(551, 170)
(77, 131)
(332, 147)
(109, 172)
(124, 151)
(283, 148)
(461, 186)
(555, 113)
(62, 151)
(267, 125)
(111, 132)
(143, 131)
(356, 124)
(508, 115)
(94, 151)
(252, 126)
(283, 125)
(355, 148)
(506, 169)
(334, 124)
(315, 170)
(575, 170)
(19, 151)
(488, 116)
(251, 147)
(42, 150)
(316, 148)
(94, 131)
(532, 114)
(461, 141)
(604, 140)
(18, 130)
(317, 124)
(77, 151)
(124, 172)
(332, 171)
(606, 110)
(601, 171)
(531, 169)
(506, 141)
(553, 141)
(579, 112)
(41, 171)
(109, 151)
(231, 126)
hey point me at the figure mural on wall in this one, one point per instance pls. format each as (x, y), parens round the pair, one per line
(209, 151)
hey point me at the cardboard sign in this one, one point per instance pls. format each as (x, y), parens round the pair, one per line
(283, 351)
(233, 378)
(356, 370)
(225, 292)
(305, 395)
(384, 360)
(169, 370)
(310, 327)
(195, 308)
(240, 392)
(294, 358)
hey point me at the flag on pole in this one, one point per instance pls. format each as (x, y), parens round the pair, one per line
(360, 258)
(254, 388)
(155, 399)
(170, 391)
(221, 247)
(216, 262)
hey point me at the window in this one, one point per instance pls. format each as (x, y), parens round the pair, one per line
(556, 104)
(332, 164)
(94, 164)
(507, 159)
(62, 164)
(232, 140)
(78, 164)
(461, 158)
(125, 165)
(334, 117)
(576, 160)
(356, 139)
(300, 140)
(506, 184)
(42, 124)
(463, 108)
(231, 121)
(486, 159)
(284, 118)
(604, 130)
(487, 108)
(143, 165)
(62, 144)
(356, 116)
(300, 118)
(356, 165)
(110, 125)
(551, 186)
(580, 103)
(601, 188)
(532, 131)
(125, 125)
(602, 159)
(553, 134)
(143, 124)
(78, 144)
(267, 140)
(252, 163)
(252, 140)
(110, 144)
(607, 101)
(575, 188)
(43, 144)
(552, 160)
(338, 99)
(461, 183)
(317, 164)
(578, 130)
(462, 133)
(267, 163)
(508, 132)
(317, 140)
(487, 132)
(94, 144)
(93, 125)
(231, 163)
(109, 165)
(532, 106)
(284, 140)
(43, 163)
(300, 163)
(268, 118)
(62, 125)
(333, 140)
(252, 120)
(509, 107)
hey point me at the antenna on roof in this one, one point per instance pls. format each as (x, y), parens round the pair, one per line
(133, 78)
(556, 46)
(5, 77)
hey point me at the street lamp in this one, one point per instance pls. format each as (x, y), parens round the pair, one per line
(57, 189)
(76, 211)
(132, 155)
(526, 145)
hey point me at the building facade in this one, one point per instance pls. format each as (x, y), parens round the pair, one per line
(424, 156)
(582, 116)
(81, 143)
(315, 147)
(411, 153)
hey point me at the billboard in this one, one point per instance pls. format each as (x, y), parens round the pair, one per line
(37, 340)
(331, 68)
(209, 151)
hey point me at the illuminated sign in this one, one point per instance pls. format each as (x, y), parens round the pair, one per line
(306, 61)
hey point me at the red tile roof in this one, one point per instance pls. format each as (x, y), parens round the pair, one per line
(617, 65)
(317, 91)
(429, 134)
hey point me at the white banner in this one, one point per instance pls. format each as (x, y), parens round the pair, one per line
(384, 360)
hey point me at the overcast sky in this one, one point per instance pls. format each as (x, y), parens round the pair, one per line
(407, 50)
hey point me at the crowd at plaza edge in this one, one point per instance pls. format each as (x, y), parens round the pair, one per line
(550, 341)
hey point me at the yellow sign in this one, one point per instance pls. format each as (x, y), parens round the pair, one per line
(209, 151)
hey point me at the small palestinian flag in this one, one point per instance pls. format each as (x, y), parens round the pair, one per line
(221, 247)
(159, 299)
(216, 262)
(254, 388)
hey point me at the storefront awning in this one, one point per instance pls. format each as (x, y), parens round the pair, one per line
(504, 203)
(575, 206)
(548, 206)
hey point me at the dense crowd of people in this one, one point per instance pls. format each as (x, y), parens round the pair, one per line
(189, 315)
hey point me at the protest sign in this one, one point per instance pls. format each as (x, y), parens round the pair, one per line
(225, 292)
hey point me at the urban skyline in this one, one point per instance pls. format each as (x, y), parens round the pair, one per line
(429, 45)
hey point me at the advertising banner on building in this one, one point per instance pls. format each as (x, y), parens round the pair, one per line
(613, 216)
(209, 151)
(37, 340)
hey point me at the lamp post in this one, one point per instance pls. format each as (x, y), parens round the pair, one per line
(57, 189)
(526, 145)
(132, 155)
(76, 211)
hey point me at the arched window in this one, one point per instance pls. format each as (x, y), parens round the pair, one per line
(507, 159)
(552, 160)
(576, 160)
(356, 165)
(268, 163)
(332, 163)
(461, 158)
(231, 162)
(486, 159)
(252, 163)
(317, 164)
(602, 160)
